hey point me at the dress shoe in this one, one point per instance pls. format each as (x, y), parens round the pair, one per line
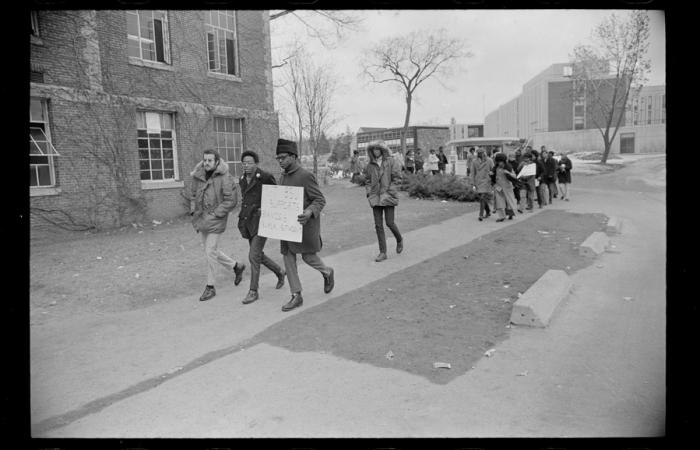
(500, 220)
(251, 297)
(480, 218)
(328, 282)
(238, 270)
(380, 257)
(399, 246)
(295, 302)
(280, 279)
(520, 211)
(208, 294)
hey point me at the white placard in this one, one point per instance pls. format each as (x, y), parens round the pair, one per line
(279, 208)
(527, 170)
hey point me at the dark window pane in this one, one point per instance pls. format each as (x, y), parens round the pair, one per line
(155, 154)
(143, 143)
(141, 133)
(38, 159)
(33, 181)
(167, 143)
(155, 143)
(218, 124)
(44, 176)
(238, 126)
(167, 154)
(144, 165)
(157, 175)
(212, 51)
(169, 174)
(156, 165)
(229, 125)
(145, 174)
(143, 154)
(160, 56)
(154, 135)
(166, 134)
(168, 164)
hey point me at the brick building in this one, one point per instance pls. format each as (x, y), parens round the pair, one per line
(122, 103)
(418, 136)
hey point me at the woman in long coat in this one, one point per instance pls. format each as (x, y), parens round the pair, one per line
(505, 199)
(564, 176)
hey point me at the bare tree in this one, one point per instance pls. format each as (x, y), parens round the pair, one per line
(410, 60)
(319, 87)
(325, 25)
(308, 91)
(609, 70)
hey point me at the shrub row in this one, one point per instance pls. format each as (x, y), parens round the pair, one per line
(451, 187)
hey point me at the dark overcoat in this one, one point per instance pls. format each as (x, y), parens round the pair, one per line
(564, 171)
(249, 216)
(314, 201)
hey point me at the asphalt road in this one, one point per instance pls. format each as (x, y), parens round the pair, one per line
(598, 369)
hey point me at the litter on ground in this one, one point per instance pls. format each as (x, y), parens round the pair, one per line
(441, 365)
(489, 353)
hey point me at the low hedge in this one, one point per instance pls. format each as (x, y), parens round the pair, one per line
(451, 187)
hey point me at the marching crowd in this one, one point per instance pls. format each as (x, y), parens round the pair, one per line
(503, 183)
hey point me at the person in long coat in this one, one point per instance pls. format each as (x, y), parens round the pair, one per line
(564, 176)
(480, 179)
(212, 197)
(503, 187)
(382, 176)
(314, 201)
(251, 183)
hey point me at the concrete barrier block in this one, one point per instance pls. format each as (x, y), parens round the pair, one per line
(594, 245)
(614, 225)
(536, 306)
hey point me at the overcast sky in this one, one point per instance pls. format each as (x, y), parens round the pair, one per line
(509, 48)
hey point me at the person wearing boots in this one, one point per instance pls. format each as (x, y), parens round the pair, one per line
(212, 197)
(251, 184)
(314, 201)
(382, 176)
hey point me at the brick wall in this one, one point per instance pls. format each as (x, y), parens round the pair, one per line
(93, 112)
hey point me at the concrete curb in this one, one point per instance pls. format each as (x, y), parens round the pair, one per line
(614, 225)
(536, 306)
(594, 245)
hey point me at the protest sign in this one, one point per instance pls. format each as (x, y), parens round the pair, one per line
(279, 207)
(527, 170)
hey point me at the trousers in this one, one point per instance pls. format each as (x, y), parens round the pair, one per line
(256, 256)
(215, 256)
(388, 213)
(290, 265)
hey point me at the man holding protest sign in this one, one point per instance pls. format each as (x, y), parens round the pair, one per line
(251, 184)
(310, 219)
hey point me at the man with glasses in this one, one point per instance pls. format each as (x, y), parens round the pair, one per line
(314, 201)
(251, 184)
(213, 196)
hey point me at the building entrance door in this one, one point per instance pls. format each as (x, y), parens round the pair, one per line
(627, 143)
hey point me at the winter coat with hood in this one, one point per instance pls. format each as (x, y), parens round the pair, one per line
(381, 181)
(212, 200)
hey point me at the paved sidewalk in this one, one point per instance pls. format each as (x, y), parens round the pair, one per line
(598, 369)
(79, 367)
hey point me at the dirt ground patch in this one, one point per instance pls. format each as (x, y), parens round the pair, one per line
(450, 308)
(87, 273)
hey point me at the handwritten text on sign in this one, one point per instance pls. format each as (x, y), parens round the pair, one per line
(280, 206)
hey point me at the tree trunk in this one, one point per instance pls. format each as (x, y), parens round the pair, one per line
(608, 146)
(405, 124)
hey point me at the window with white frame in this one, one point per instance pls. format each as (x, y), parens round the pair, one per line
(228, 139)
(41, 150)
(147, 32)
(222, 41)
(34, 23)
(157, 146)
